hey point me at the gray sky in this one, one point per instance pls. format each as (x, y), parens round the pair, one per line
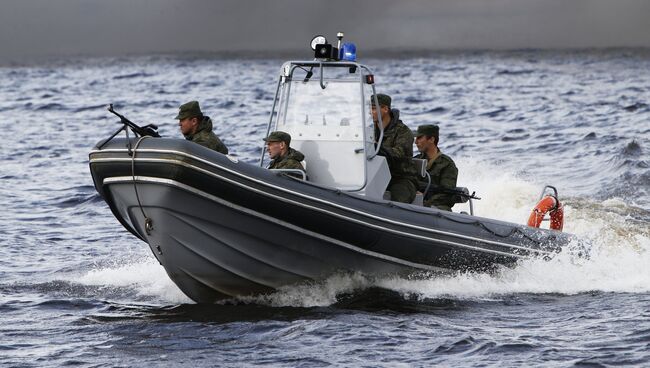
(43, 28)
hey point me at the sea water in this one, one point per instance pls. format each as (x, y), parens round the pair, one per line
(77, 289)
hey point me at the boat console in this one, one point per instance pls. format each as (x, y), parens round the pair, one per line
(324, 104)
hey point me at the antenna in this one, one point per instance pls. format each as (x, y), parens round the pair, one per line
(340, 37)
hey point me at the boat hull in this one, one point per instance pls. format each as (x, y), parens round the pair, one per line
(224, 228)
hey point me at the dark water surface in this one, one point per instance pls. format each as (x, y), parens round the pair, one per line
(77, 289)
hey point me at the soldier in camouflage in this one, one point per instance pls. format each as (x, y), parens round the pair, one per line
(198, 128)
(281, 154)
(440, 167)
(397, 147)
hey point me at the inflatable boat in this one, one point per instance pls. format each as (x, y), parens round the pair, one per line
(222, 227)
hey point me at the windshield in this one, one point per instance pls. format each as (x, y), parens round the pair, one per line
(330, 126)
(316, 113)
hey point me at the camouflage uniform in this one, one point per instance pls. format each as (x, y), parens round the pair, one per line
(205, 137)
(444, 173)
(397, 148)
(289, 161)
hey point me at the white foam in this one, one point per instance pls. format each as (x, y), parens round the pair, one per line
(144, 275)
(503, 195)
(617, 251)
(621, 271)
(316, 294)
(606, 269)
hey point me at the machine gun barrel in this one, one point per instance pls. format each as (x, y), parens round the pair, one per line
(147, 130)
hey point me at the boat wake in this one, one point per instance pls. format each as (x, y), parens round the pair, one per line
(611, 255)
(606, 268)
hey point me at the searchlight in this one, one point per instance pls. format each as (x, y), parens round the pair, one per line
(318, 40)
(323, 50)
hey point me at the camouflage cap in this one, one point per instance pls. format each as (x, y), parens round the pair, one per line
(428, 130)
(189, 110)
(278, 136)
(384, 100)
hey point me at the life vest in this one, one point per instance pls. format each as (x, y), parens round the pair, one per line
(551, 205)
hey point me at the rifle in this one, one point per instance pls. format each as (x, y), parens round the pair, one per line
(150, 130)
(461, 194)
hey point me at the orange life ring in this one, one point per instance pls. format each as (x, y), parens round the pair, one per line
(553, 207)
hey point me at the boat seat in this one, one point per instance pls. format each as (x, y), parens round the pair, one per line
(304, 166)
(421, 166)
(419, 199)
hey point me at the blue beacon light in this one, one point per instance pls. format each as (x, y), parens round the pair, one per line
(348, 52)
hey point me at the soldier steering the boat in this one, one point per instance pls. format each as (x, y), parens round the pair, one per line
(397, 147)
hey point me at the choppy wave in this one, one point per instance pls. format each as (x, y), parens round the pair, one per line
(513, 122)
